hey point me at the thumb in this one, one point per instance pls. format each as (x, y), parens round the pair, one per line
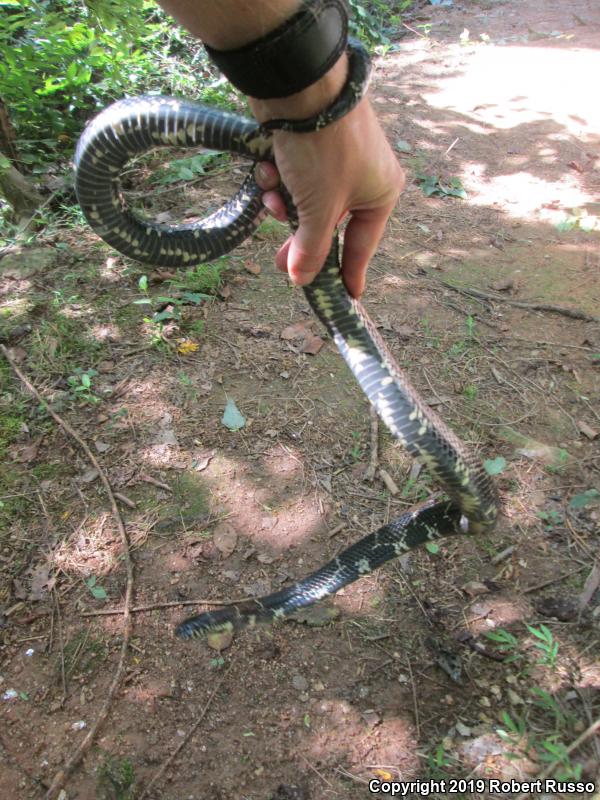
(308, 250)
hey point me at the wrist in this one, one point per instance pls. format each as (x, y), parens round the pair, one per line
(309, 101)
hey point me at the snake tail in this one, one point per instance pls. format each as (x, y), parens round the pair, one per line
(406, 532)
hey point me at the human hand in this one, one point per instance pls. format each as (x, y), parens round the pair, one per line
(347, 168)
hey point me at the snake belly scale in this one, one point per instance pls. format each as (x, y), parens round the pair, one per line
(133, 126)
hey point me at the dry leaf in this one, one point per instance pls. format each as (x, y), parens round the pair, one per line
(404, 331)
(312, 344)
(475, 588)
(225, 539)
(187, 346)
(41, 582)
(299, 330)
(203, 460)
(27, 452)
(250, 266)
(18, 354)
(89, 476)
(383, 774)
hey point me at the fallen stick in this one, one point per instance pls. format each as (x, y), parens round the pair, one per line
(573, 313)
(72, 762)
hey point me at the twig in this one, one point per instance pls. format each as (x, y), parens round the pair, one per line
(415, 702)
(352, 777)
(165, 765)
(62, 775)
(452, 145)
(316, 771)
(503, 555)
(412, 30)
(595, 726)
(543, 584)
(124, 499)
(390, 484)
(573, 313)
(109, 612)
(154, 482)
(589, 588)
(61, 645)
(372, 468)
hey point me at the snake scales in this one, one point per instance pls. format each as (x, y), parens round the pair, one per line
(133, 126)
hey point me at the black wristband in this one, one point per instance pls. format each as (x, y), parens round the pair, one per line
(293, 56)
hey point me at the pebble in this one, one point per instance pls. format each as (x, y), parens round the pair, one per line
(513, 698)
(300, 683)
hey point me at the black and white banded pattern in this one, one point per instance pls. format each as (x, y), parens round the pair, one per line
(136, 125)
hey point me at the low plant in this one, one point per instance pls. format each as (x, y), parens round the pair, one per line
(80, 385)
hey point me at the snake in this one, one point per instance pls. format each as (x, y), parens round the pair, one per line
(133, 126)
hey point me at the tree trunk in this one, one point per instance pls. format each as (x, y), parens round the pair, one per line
(15, 187)
(19, 192)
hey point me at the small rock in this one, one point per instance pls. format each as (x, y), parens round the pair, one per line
(299, 683)
(474, 588)
(513, 698)
(371, 717)
(503, 285)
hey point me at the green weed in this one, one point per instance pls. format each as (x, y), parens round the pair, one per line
(545, 643)
(356, 449)
(506, 643)
(190, 167)
(435, 186)
(116, 780)
(470, 392)
(80, 385)
(551, 518)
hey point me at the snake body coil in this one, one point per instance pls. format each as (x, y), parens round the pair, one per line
(133, 126)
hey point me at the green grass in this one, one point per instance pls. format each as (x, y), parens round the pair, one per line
(542, 725)
(116, 779)
(60, 345)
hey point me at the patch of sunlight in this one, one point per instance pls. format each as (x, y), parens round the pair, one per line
(112, 269)
(15, 307)
(504, 87)
(267, 505)
(524, 195)
(106, 333)
(76, 310)
(93, 549)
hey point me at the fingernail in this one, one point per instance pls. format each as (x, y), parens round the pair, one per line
(261, 173)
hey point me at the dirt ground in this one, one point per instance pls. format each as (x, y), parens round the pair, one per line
(502, 96)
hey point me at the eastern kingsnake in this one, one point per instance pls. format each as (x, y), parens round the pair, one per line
(134, 126)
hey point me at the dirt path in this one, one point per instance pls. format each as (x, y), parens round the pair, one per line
(501, 96)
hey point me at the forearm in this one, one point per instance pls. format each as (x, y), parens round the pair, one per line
(228, 24)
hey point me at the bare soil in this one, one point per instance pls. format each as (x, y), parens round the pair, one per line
(317, 710)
